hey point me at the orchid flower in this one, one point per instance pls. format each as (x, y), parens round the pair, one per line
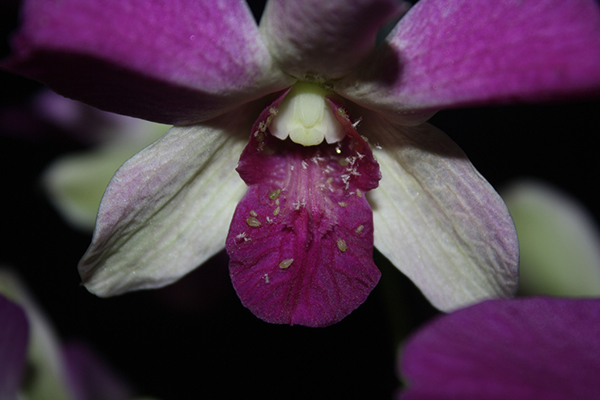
(559, 242)
(521, 349)
(312, 73)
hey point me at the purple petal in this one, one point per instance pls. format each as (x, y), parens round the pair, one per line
(534, 348)
(468, 53)
(167, 209)
(176, 61)
(301, 240)
(14, 336)
(90, 377)
(437, 219)
(324, 39)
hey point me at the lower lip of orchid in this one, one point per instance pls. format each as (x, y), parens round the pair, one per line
(301, 239)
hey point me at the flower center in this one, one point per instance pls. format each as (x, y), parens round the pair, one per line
(306, 117)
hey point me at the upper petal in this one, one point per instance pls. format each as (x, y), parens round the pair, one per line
(175, 61)
(522, 349)
(324, 39)
(168, 208)
(447, 54)
(438, 220)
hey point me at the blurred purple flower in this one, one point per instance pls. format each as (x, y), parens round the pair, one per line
(206, 65)
(521, 349)
(14, 334)
(61, 371)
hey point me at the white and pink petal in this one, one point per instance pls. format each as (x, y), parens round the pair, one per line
(167, 209)
(437, 219)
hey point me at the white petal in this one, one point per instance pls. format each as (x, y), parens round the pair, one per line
(168, 209)
(438, 220)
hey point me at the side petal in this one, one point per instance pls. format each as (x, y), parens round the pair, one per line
(521, 349)
(168, 208)
(14, 337)
(175, 62)
(560, 245)
(324, 39)
(469, 53)
(438, 220)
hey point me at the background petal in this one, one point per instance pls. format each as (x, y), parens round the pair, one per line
(14, 335)
(324, 39)
(536, 348)
(168, 208)
(465, 52)
(437, 219)
(46, 374)
(175, 61)
(560, 244)
(90, 376)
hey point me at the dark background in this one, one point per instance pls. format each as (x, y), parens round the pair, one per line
(195, 338)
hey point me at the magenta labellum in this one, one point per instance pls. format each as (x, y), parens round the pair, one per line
(301, 239)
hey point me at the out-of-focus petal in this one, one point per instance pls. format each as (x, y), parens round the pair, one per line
(560, 245)
(168, 208)
(324, 39)
(447, 54)
(46, 377)
(521, 349)
(14, 336)
(176, 61)
(437, 219)
(90, 377)
(75, 183)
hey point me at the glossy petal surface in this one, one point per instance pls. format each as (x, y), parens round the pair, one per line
(324, 39)
(437, 219)
(167, 209)
(560, 244)
(171, 61)
(14, 335)
(535, 348)
(448, 54)
(300, 243)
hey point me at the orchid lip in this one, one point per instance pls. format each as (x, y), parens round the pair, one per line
(301, 239)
